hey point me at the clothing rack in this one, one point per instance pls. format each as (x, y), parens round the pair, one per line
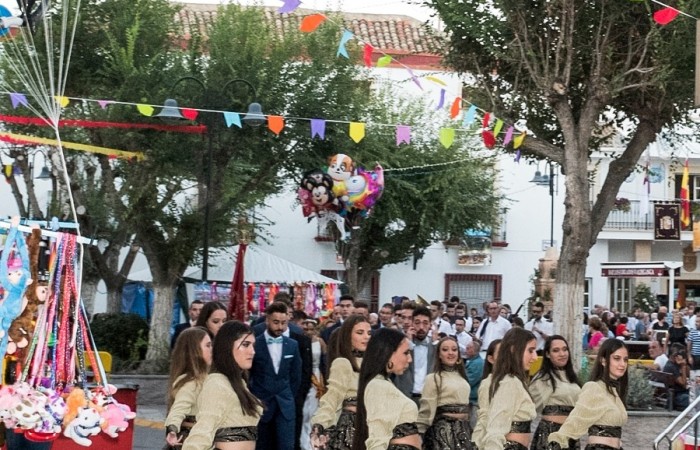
(5, 224)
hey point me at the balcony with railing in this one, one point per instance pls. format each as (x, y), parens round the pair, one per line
(630, 219)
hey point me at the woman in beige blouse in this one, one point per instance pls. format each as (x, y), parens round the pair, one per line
(554, 389)
(511, 408)
(386, 418)
(444, 405)
(228, 413)
(334, 422)
(190, 361)
(484, 386)
(600, 409)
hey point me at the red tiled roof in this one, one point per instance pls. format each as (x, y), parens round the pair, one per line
(392, 34)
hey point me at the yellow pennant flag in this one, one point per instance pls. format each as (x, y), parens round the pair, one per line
(63, 101)
(384, 61)
(357, 131)
(146, 110)
(436, 80)
(518, 141)
(497, 128)
(447, 137)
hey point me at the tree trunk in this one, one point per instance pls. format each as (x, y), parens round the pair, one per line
(159, 334)
(352, 269)
(88, 289)
(114, 300)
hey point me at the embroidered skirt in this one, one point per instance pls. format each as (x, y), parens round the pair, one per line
(447, 432)
(544, 429)
(185, 427)
(512, 445)
(601, 447)
(340, 435)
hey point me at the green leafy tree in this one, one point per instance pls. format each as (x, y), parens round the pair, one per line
(561, 65)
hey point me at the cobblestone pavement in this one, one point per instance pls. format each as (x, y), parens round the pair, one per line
(641, 430)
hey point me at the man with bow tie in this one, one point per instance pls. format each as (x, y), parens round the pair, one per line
(275, 379)
(423, 355)
(540, 327)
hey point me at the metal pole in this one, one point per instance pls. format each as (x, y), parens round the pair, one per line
(551, 210)
(205, 237)
(30, 187)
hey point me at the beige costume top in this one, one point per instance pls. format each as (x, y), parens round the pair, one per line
(483, 391)
(342, 384)
(510, 403)
(185, 403)
(449, 388)
(219, 407)
(595, 406)
(543, 395)
(386, 407)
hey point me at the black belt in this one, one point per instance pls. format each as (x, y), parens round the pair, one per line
(605, 431)
(414, 395)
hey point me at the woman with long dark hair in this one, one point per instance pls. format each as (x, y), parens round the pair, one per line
(347, 347)
(386, 418)
(212, 317)
(444, 405)
(228, 413)
(600, 409)
(511, 408)
(491, 356)
(554, 389)
(189, 366)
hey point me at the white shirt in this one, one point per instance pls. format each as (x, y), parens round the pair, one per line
(275, 351)
(544, 326)
(467, 325)
(420, 365)
(495, 330)
(463, 339)
(443, 326)
(661, 361)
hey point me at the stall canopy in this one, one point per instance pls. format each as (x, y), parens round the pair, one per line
(260, 267)
(639, 269)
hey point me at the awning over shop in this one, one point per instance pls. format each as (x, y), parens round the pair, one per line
(639, 269)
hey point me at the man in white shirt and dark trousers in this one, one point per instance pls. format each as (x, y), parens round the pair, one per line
(540, 327)
(463, 338)
(423, 352)
(492, 327)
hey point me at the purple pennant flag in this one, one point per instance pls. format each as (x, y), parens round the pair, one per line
(403, 134)
(289, 6)
(517, 156)
(414, 78)
(509, 136)
(103, 103)
(318, 128)
(18, 99)
(441, 103)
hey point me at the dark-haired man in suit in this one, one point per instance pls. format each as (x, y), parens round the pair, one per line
(275, 379)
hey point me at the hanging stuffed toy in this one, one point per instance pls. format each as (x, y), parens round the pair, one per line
(14, 278)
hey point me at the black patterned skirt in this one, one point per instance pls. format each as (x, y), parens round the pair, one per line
(447, 432)
(512, 445)
(544, 429)
(185, 427)
(601, 447)
(340, 435)
(400, 431)
(236, 434)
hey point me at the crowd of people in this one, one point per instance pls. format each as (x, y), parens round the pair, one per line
(413, 376)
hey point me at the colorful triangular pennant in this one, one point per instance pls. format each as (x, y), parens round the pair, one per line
(357, 131)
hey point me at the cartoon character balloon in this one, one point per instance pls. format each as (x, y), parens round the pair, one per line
(316, 193)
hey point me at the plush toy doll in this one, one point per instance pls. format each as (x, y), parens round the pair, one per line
(22, 327)
(82, 419)
(14, 278)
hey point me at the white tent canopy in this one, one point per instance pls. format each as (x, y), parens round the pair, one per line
(260, 266)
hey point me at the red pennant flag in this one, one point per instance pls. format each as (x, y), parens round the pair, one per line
(456, 107)
(310, 23)
(489, 139)
(487, 118)
(189, 113)
(665, 16)
(368, 55)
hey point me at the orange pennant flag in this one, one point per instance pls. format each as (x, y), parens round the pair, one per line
(310, 23)
(275, 124)
(456, 108)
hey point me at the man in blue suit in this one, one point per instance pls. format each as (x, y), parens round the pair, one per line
(275, 378)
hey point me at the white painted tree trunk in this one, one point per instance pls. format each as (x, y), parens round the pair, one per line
(159, 334)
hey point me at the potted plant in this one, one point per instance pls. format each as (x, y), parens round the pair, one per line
(622, 204)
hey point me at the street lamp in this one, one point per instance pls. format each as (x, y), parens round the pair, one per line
(254, 117)
(547, 180)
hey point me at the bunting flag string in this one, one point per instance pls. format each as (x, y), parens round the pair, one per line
(668, 13)
(24, 139)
